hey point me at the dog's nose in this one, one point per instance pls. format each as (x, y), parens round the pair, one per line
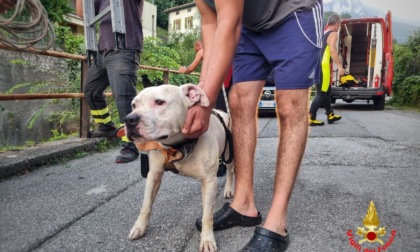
(131, 120)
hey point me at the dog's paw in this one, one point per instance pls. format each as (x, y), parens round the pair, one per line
(208, 246)
(207, 241)
(136, 233)
(228, 193)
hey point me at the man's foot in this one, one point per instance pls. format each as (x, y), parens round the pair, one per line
(227, 217)
(333, 118)
(104, 130)
(266, 240)
(315, 122)
(128, 153)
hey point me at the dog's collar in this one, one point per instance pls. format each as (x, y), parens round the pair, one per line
(172, 153)
(186, 147)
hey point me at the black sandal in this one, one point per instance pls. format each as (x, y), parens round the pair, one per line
(227, 217)
(267, 241)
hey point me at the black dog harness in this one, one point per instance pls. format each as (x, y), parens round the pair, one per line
(228, 141)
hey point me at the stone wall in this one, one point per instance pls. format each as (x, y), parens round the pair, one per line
(23, 73)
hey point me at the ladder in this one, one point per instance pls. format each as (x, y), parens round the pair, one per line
(116, 8)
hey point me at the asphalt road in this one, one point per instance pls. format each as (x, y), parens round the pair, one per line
(90, 203)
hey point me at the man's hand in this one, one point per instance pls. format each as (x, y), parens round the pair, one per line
(341, 71)
(6, 5)
(182, 69)
(197, 122)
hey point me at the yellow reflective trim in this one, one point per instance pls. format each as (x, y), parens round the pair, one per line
(325, 68)
(100, 112)
(124, 139)
(104, 121)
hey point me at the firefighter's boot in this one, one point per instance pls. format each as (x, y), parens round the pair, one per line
(104, 130)
(333, 118)
(314, 122)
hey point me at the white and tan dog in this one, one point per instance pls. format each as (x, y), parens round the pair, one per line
(158, 115)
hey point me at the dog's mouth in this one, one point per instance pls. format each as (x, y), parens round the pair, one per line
(136, 137)
(163, 137)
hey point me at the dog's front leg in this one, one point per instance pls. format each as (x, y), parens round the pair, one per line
(153, 181)
(208, 191)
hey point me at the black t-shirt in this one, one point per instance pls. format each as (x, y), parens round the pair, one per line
(133, 10)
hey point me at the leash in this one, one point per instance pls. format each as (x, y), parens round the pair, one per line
(229, 139)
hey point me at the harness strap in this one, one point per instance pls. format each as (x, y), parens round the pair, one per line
(229, 139)
(171, 154)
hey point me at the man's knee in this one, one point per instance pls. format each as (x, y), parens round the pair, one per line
(239, 102)
(293, 108)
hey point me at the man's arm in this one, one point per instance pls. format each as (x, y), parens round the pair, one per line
(332, 42)
(190, 68)
(220, 32)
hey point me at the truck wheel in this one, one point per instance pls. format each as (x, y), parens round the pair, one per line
(379, 103)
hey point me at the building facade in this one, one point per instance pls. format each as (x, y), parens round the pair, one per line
(183, 18)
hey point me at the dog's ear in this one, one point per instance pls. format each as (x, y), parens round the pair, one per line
(195, 95)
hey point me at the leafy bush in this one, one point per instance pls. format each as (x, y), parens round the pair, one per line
(406, 83)
(408, 92)
(57, 9)
(157, 54)
(184, 45)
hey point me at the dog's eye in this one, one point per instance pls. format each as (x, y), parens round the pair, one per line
(133, 106)
(159, 102)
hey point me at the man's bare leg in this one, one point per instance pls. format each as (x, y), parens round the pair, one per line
(293, 120)
(243, 99)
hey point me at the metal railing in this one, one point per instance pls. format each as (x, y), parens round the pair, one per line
(84, 108)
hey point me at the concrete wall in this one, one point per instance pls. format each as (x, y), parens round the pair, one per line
(23, 73)
(149, 19)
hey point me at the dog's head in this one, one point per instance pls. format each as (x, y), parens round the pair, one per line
(159, 112)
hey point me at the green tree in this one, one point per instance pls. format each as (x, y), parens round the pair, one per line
(413, 43)
(57, 9)
(402, 58)
(184, 45)
(406, 83)
(157, 54)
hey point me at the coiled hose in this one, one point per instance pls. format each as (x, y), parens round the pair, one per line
(28, 27)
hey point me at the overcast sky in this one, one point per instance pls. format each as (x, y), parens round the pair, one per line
(404, 9)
